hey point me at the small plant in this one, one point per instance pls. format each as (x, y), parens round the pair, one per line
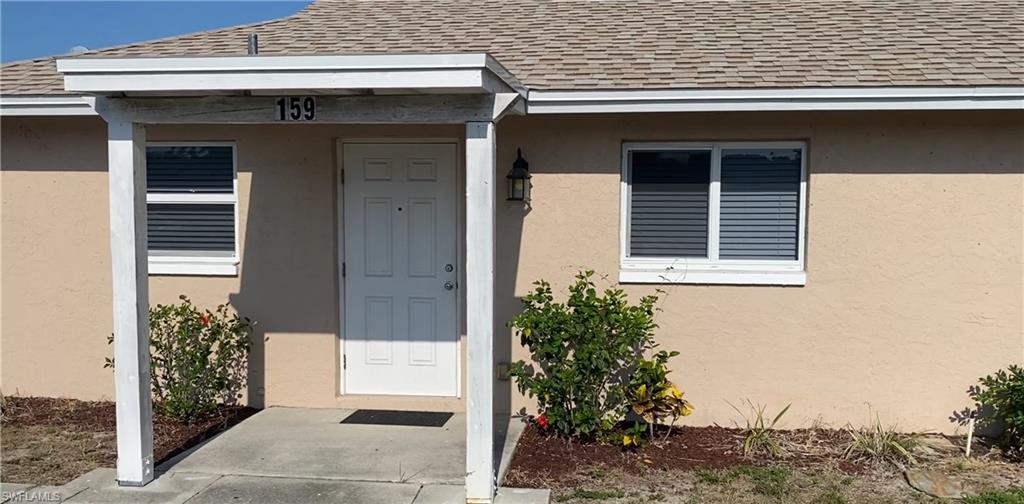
(653, 397)
(584, 351)
(634, 437)
(584, 494)
(197, 358)
(831, 496)
(769, 481)
(759, 435)
(1002, 395)
(1008, 496)
(878, 444)
(715, 476)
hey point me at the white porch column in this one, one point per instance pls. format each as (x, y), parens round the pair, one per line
(480, 236)
(126, 151)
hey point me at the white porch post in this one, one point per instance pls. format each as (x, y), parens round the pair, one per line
(126, 151)
(480, 236)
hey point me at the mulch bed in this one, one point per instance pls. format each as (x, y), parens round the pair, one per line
(540, 457)
(66, 417)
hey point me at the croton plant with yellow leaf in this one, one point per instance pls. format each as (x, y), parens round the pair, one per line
(653, 397)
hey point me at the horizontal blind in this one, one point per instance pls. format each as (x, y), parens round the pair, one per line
(191, 227)
(760, 204)
(189, 169)
(669, 203)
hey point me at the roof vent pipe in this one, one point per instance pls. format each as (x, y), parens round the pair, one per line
(254, 44)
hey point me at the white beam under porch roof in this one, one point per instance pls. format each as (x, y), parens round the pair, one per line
(474, 73)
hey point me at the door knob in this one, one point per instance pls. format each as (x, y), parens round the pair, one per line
(449, 285)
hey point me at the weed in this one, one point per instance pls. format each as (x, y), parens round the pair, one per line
(759, 436)
(881, 444)
(1008, 496)
(598, 473)
(714, 477)
(830, 497)
(770, 481)
(581, 493)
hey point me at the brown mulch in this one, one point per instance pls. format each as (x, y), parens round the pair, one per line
(540, 457)
(51, 441)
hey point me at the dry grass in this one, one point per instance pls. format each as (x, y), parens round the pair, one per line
(824, 484)
(46, 455)
(880, 444)
(739, 485)
(814, 472)
(52, 441)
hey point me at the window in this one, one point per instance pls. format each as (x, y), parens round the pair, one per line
(192, 208)
(730, 213)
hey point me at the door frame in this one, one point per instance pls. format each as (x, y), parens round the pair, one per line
(460, 252)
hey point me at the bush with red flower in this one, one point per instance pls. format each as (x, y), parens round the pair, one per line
(197, 358)
(584, 353)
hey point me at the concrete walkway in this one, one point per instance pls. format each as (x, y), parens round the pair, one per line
(99, 487)
(296, 455)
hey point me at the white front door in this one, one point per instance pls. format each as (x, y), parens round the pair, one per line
(400, 333)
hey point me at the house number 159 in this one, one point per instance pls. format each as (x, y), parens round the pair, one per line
(296, 108)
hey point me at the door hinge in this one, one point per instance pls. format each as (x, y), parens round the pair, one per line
(341, 176)
(342, 269)
(344, 361)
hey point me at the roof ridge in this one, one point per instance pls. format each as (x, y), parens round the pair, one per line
(301, 11)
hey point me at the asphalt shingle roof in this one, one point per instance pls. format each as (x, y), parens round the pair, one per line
(640, 44)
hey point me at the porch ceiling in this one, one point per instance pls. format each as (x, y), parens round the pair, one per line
(390, 74)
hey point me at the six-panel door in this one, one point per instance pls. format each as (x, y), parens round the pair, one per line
(400, 332)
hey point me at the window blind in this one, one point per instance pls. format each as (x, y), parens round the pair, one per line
(760, 202)
(669, 203)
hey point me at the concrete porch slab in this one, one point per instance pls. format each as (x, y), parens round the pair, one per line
(310, 443)
(452, 494)
(100, 487)
(262, 490)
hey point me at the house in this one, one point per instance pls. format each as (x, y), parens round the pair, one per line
(829, 194)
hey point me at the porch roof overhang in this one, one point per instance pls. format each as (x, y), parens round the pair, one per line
(381, 74)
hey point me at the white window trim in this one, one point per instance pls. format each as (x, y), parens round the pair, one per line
(198, 265)
(712, 270)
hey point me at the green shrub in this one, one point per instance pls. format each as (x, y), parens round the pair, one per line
(1002, 395)
(197, 358)
(584, 353)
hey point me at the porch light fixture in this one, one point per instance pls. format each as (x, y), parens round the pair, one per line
(519, 179)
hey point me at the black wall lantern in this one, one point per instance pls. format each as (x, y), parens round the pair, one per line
(519, 179)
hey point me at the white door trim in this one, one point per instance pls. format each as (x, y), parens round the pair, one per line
(339, 228)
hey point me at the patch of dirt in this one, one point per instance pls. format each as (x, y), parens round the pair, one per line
(706, 465)
(52, 441)
(540, 457)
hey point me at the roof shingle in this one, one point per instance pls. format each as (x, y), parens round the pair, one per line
(640, 44)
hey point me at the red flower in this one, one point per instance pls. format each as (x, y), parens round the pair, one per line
(206, 319)
(542, 421)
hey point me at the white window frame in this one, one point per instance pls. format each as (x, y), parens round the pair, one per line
(198, 264)
(710, 270)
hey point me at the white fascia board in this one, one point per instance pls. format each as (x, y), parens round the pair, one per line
(43, 105)
(469, 72)
(788, 99)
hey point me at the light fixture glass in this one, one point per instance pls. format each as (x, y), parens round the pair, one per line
(519, 179)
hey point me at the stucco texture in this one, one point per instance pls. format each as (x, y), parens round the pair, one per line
(915, 259)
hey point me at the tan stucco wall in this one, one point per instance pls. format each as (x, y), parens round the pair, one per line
(915, 244)
(56, 259)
